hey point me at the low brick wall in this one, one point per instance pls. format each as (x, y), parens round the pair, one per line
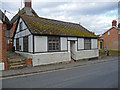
(103, 54)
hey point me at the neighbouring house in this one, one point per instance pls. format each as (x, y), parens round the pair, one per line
(100, 42)
(112, 37)
(49, 41)
(4, 26)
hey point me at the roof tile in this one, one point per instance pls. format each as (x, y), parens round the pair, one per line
(39, 25)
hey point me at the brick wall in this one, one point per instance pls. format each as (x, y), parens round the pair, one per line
(111, 41)
(10, 44)
(3, 45)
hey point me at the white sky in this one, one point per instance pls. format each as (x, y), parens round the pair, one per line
(95, 15)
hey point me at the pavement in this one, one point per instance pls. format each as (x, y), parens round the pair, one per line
(99, 75)
(45, 68)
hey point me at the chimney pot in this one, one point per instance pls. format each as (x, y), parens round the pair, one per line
(114, 23)
(28, 3)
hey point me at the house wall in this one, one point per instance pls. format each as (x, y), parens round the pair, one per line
(64, 43)
(21, 34)
(40, 44)
(94, 43)
(38, 48)
(85, 54)
(111, 42)
(100, 46)
(80, 53)
(3, 46)
(47, 58)
(80, 43)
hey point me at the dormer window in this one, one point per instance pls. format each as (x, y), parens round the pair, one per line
(21, 26)
(109, 33)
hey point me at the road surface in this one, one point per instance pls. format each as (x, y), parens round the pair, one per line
(101, 75)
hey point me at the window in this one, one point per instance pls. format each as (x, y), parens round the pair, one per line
(118, 31)
(8, 33)
(17, 44)
(4, 27)
(100, 45)
(25, 44)
(53, 43)
(87, 44)
(21, 26)
(109, 33)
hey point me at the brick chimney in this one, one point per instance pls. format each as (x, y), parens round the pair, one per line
(28, 3)
(119, 25)
(114, 23)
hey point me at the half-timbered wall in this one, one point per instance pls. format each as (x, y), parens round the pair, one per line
(20, 34)
(38, 47)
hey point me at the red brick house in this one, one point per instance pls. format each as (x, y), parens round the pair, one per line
(112, 37)
(4, 26)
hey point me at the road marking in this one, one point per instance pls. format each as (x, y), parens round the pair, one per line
(68, 68)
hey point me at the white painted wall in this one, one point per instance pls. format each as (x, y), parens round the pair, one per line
(94, 43)
(24, 26)
(30, 43)
(80, 43)
(68, 46)
(84, 54)
(72, 38)
(47, 58)
(2, 66)
(63, 41)
(40, 43)
(23, 33)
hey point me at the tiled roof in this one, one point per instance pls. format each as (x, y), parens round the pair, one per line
(22, 12)
(6, 19)
(39, 25)
(110, 29)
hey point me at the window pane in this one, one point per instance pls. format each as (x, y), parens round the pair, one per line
(53, 43)
(87, 43)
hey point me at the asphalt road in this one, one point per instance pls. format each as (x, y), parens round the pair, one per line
(104, 75)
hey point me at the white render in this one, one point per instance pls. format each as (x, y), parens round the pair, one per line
(72, 38)
(94, 43)
(69, 47)
(23, 33)
(30, 43)
(47, 58)
(63, 41)
(86, 54)
(2, 66)
(80, 43)
(40, 43)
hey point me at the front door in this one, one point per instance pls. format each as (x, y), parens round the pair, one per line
(72, 49)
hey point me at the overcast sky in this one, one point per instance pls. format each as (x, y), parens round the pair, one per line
(95, 15)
